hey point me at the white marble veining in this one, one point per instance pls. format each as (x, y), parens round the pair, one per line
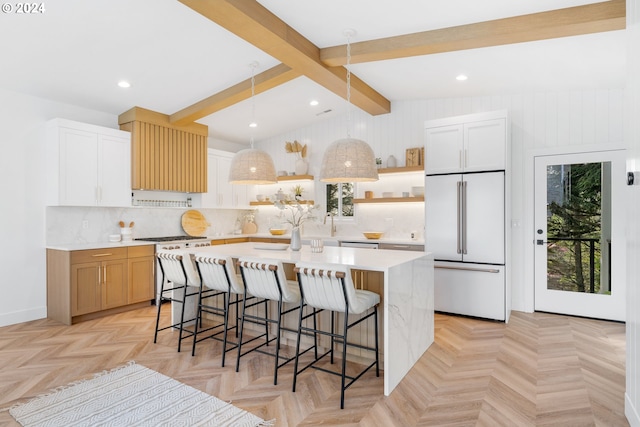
(409, 307)
(66, 224)
(408, 328)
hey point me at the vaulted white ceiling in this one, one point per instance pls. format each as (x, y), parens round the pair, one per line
(77, 50)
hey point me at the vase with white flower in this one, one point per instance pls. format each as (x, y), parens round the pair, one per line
(296, 214)
(301, 152)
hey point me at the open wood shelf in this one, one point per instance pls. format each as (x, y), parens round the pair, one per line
(390, 200)
(402, 169)
(289, 202)
(295, 178)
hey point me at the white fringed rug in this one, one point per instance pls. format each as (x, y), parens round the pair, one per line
(130, 395)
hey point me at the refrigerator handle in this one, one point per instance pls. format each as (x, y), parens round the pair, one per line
(464, 217)
(458, 216)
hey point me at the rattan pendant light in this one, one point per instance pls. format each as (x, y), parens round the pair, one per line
(252, 166)
(348, 159)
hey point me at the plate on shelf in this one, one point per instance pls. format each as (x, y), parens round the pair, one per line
(271, 246)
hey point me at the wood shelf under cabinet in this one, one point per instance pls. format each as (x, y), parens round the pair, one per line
(403, 169)
(295, 178)
(390, 200)
(270, 202)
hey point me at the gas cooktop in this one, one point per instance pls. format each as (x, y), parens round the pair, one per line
(170, 238)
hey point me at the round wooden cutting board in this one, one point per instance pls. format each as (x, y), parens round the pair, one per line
(194, 223)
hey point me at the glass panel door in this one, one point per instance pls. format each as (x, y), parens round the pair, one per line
(576, 235)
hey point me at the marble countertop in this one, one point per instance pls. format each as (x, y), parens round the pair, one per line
(96, 245)
(359, 258)
(305, 239)
(357, 238)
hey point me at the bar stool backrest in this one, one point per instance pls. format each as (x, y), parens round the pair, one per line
(323, 287)
(266, 279)
(176, 269)
(217, 272)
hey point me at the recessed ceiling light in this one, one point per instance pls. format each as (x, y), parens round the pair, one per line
(124, 84)
(313, 102)
(253, 125)
(461, 77)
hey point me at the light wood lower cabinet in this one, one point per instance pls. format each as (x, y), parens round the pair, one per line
(91, 283)
(141, 279)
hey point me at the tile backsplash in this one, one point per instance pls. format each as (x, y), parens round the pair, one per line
(95, 224)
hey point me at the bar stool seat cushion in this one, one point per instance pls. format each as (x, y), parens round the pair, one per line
(260, 280)
(214, 278)
(173, 271)
(324, 290)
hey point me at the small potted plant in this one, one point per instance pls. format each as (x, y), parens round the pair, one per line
(378, 162)
(297, 192)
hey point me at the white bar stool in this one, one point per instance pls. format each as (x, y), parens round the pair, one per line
(324, 288)
(179, 283)
(217, 278)
(266, 281)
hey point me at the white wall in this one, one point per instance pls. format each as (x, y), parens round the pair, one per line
(632, 137)
(538, 120)
(22, 229)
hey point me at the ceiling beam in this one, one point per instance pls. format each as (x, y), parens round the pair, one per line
(263, 82)
(255, 24)
(572, 21)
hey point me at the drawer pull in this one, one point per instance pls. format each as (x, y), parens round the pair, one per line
(482, 270)
(99, 255)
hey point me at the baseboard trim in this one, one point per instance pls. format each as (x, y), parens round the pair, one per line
(21, 316)
(631, 412)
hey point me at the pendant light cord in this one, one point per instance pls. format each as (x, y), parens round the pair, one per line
(348, 33)
(252, 125)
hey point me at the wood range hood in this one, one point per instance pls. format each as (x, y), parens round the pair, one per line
(164, 156)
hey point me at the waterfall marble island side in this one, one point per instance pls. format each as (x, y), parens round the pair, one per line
(408, 306)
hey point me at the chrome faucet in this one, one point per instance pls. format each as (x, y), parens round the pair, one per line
(333, 227)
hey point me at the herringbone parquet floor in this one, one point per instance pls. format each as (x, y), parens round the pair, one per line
(539, 370)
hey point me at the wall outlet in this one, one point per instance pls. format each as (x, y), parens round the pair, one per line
(85, 224)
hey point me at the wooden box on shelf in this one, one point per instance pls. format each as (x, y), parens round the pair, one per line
(415, 156)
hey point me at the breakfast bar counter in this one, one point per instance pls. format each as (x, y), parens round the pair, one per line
(408, 308)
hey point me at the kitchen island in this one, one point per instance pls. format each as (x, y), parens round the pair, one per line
(408, 327)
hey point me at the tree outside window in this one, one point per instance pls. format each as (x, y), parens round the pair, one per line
(340, 199)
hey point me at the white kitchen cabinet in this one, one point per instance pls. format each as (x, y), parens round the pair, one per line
(220, 193)
(465, 147)
(87, 165)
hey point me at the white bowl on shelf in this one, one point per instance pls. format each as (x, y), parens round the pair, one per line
(388, 194)
(114, 238)
(417, 191)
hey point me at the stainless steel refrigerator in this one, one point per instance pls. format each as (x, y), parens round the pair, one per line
(465, 231)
